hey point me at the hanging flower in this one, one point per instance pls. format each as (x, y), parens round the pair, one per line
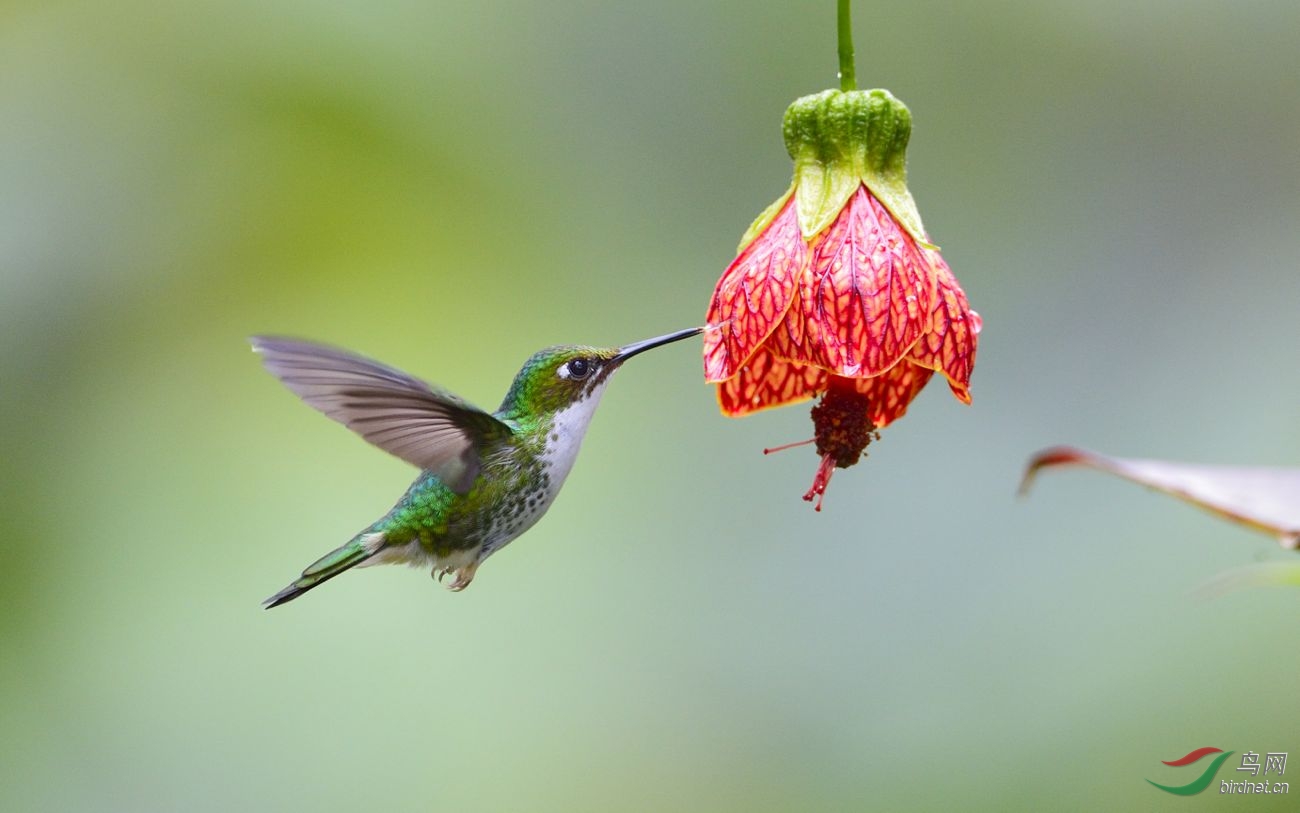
(836, 290)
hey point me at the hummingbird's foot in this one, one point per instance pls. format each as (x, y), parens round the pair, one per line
(463, 577)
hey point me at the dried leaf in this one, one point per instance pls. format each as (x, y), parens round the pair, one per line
(1267, 499)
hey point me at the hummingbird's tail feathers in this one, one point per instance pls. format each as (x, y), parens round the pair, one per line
(330, 565)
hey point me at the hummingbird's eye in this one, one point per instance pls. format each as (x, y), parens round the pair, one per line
(577, 369)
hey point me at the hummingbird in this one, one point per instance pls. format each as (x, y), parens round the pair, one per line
(485, 478)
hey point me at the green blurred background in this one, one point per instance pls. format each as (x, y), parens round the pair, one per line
(450, 186)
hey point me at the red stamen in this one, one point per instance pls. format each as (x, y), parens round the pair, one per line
(789, 445)
(823, 478)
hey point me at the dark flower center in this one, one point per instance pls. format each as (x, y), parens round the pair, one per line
(842, 429)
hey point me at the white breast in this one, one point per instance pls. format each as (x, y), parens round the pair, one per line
(562, 443)
(568, 427)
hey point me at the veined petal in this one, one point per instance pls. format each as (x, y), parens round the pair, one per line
(866, 297)
(753, 295)
(949, 345)
(890, 394)
(766, 381)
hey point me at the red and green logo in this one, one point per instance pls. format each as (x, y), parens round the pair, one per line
(1201, 782)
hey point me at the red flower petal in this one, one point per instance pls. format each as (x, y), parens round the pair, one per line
(949, 346)
(754, 294)
(766, 381)
(866, 297)
(890, 394)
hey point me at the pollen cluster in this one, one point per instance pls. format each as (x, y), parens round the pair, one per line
(841, 427)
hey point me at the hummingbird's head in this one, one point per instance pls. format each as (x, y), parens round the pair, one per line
(557, 378)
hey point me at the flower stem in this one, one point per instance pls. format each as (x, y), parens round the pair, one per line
(844, 24)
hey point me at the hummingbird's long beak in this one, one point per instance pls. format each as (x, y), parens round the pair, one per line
(628, 351)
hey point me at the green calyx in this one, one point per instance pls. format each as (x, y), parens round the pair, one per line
(839, 139)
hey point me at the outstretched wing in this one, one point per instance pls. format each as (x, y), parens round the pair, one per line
(400, 414)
